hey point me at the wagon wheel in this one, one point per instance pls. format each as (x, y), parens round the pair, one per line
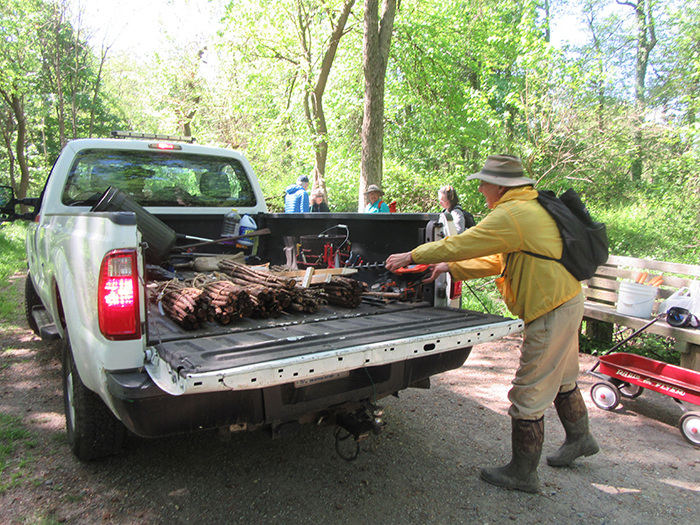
(690, 427)
(605, 395)
(630, 391)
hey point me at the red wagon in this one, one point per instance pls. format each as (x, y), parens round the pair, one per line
(627, 375)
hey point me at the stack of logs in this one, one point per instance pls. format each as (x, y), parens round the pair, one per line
(343, 291)
(181, 303)
(225, 301)
(239, 291)
(283, 291)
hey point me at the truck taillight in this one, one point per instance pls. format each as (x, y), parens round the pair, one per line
(118, 296)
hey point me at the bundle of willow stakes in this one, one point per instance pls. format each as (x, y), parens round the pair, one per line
(237, 291)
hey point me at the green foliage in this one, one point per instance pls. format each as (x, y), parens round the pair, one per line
(12, 260)
(13, 436)
(635, 230)
(12, 254)
(50, 82)
(448, 110)
(648, 345)
(481, 295)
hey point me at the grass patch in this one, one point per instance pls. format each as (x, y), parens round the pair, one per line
(13, 436)
(13, 259)
(673, 237)
(481, 295)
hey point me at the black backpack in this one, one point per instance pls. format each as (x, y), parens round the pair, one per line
(585, 241)
(468, 217)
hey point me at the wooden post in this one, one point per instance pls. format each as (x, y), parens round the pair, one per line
(690, 359)
(599, 330)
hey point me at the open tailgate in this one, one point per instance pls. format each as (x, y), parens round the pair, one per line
(317, 346)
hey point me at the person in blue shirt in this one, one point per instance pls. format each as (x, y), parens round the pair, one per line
(376, 204)
(296, 198)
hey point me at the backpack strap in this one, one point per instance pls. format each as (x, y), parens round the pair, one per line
(468, 217)
(540, 256)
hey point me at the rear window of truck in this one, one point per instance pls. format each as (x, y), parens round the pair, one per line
(158, 179)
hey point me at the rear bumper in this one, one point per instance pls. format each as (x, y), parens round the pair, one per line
(149, 412)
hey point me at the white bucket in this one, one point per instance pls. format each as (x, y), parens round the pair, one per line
(636, 299)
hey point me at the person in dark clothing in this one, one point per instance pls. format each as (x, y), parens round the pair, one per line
(450, 203)
(319, 203)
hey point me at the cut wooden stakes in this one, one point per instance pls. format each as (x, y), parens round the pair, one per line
(308, 275)
(238, 291)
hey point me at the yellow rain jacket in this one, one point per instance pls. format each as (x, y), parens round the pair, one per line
(531, 286)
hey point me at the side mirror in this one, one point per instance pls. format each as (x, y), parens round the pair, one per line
(8, 203)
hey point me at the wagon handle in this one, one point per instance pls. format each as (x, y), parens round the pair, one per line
(634, 334)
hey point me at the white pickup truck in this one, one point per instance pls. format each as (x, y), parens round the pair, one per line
(93, 258)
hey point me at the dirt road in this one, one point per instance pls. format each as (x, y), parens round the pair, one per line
(424, 469)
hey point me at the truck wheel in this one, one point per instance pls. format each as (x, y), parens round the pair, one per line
(31, 299)
(93, 431)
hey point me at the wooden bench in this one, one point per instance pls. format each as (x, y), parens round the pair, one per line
(601, 294)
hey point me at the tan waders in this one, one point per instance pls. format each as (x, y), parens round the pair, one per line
(574, 417)
(521, 473)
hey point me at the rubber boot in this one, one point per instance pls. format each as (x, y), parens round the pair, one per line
(579, 440)
(521, 473)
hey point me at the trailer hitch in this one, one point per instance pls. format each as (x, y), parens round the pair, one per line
(358, 425)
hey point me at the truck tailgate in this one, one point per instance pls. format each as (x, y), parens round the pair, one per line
(318, 346)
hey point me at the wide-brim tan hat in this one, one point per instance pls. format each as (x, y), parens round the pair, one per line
(374, 187)
(503, 170)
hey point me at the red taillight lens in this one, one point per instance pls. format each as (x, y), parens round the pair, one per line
(118, 296)
(164, 145)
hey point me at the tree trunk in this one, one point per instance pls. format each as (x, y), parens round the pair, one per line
(96, 90)
(646, 40)
(17, 104)
(8, 131)
(55, 49)
(315, 113)
(377, 41)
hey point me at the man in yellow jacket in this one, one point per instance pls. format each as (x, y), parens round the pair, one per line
(539, 291)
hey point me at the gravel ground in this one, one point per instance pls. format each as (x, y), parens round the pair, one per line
(423, 469)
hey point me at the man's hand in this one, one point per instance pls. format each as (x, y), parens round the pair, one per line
(398, 260)
(437, 271)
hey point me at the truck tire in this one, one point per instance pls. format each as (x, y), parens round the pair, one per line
(31, 299)
(93, 431)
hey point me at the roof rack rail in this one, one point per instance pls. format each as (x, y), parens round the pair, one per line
(148, 136)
